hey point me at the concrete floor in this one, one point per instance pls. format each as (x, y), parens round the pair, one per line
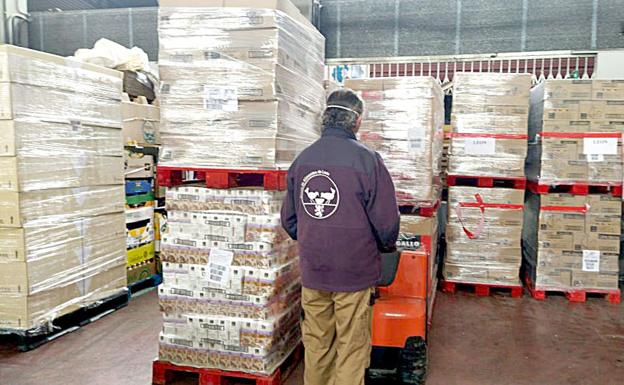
(485, 341)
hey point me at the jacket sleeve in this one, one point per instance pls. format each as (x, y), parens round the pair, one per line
(382, 208)
(288, 213)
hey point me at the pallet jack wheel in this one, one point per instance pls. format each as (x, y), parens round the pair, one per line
(413, 362)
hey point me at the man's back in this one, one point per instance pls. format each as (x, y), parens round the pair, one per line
(344, 212)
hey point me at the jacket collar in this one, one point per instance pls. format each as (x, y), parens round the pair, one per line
(339, 132)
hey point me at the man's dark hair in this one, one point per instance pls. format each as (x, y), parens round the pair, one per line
(344, 107)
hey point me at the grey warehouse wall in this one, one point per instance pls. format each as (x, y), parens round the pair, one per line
(377, 28)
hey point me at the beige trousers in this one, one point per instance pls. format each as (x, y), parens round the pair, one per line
(336, 336)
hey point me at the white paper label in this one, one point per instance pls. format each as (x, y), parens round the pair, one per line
(480, 146)
(595, 158)
(415, 145)
(603, 146)
(221, 98)
(219, 263)
(591, 260)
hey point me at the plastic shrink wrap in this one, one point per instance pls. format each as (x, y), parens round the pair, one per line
(403, 122)
(576, 131)
(483, 235)
(62, 232)
(572, 241)
(231, 287)
(241, 83)
(489, 125)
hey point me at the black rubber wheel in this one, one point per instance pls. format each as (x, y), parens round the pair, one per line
(413, 362)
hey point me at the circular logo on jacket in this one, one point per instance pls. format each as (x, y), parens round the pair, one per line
(319, 195)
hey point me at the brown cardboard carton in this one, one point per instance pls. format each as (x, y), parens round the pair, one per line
(603, 224)
(141, 123)
(563, 200)
(57, 205)
(603, 204)
(554, 278)
(29, 311)
(568, 89)
(505, 148)
(34, 173)
(609, 243)
(555, 109)
(569, 126)
(561, 221)
(607, 126)
(566, 240)
(138, 165)
(280, 5)
(608, 90)
(104, 284)
(36, 68)
(489, 195)
(585, 279)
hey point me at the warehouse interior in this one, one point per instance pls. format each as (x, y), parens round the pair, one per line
(145, 148)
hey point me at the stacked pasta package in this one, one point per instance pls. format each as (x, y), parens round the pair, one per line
(573, 241)
(241, 83)
(62, 232)
(403, 122)
(488, 142)
(242, 89)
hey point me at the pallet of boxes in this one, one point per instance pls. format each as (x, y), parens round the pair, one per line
(141, 133)
(573, 211)
(403, 122)
(486, 179)
(241, 96)
(62, 233)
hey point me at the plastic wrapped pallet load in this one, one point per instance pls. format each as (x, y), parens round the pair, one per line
(241, 83)
(489, 125)
(483, 235)
(231, 288)
(576, 131)
(572, 242)
(403, 122)
(62, 233)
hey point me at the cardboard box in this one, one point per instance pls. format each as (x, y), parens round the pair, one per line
(139, 165)
(141, 123)
(141, 272)
(40, 138)
(36, 68)
(57, 106)
(140, 254)
(280, 5)
(608, 90)
(58, 205)
(35, 173)
(568, 89)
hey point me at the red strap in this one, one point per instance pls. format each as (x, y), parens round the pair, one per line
(492, 205)
(575, 209)
(481, 207)
(575, 135)
(496, 136)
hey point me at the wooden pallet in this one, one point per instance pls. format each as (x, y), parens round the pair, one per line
(222, 178)
(486, 181)
(575, 188)
(575, 295)
(31, 339)
(165, 373)
(481, 289)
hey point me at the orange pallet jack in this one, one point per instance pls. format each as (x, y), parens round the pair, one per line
(401, 317)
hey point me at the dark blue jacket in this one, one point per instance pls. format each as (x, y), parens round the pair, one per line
(342, 209)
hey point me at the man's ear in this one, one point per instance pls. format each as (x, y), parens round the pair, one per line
(358, 123)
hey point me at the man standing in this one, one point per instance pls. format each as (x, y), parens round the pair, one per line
(341, 208)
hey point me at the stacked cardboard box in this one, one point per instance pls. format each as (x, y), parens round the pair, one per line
(572, 241)
(488, 139)
(575, 131)
(141, 133)
(242, 89)
(62, 234)
(403, 122)
(231, 288)
(483, 235)
(241, 83)
(489, 124)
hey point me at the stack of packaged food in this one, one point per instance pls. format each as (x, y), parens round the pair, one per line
(62, 232)
(488, 147)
